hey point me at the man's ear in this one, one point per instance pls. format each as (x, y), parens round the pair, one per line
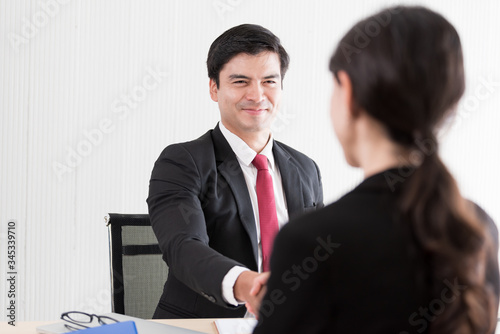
(213, 90)
(346, 84)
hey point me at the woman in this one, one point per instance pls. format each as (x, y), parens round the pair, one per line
(403, 252)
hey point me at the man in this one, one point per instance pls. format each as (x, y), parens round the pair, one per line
(206, 202)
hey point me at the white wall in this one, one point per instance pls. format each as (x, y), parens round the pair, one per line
(66, 68)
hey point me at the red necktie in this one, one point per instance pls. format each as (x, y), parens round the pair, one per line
(267, 208)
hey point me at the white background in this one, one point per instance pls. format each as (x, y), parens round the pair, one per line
(66, 67)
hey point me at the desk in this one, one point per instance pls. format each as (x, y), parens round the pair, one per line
(29, 327)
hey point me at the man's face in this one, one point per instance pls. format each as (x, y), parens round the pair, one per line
(249, 92)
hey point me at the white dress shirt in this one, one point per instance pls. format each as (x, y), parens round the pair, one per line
(245, 156)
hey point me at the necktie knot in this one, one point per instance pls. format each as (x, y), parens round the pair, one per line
(260, 162)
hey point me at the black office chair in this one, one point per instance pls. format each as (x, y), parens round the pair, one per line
(137, 269)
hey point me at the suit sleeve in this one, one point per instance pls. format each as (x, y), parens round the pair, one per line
(178, 221)
(319, 190)
(295, 298)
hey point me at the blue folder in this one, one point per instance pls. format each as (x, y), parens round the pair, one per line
(126, 327)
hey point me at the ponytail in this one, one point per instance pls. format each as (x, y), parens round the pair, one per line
(455, 245)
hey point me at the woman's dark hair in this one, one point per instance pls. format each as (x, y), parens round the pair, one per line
(251, 39)
(406, 69)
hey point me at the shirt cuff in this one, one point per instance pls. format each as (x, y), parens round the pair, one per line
(228, 284)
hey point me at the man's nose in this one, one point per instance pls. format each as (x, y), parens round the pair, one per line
(255, 92)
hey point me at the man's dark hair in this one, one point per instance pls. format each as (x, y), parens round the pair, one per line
(251, 39)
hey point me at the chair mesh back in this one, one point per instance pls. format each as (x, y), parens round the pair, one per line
(138, 271)
(143, 275)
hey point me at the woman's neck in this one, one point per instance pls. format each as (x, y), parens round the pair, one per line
(375, 152)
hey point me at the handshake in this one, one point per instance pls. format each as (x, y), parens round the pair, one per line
(250, 287)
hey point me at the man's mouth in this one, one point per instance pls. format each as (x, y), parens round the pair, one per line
(254, 111)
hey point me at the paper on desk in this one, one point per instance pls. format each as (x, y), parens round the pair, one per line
(235, 326)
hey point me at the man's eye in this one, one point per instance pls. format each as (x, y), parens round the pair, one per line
(240, 82)
(270, 81)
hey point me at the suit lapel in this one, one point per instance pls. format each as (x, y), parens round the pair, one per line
(290, 180)
(229, 167)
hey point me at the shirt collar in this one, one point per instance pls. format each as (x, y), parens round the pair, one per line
(243, 152)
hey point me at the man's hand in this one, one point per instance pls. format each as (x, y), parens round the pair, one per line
(257, 291)
(250, 287)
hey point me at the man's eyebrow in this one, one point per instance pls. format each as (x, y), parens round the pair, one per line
(241, 76)
(238, 76)
(272, 76)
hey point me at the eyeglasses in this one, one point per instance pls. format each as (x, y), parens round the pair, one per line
(83, 319)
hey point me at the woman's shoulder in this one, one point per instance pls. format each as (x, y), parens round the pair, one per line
(349, 213)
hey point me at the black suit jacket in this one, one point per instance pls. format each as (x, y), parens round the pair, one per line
(353, 268)
(202, 215)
